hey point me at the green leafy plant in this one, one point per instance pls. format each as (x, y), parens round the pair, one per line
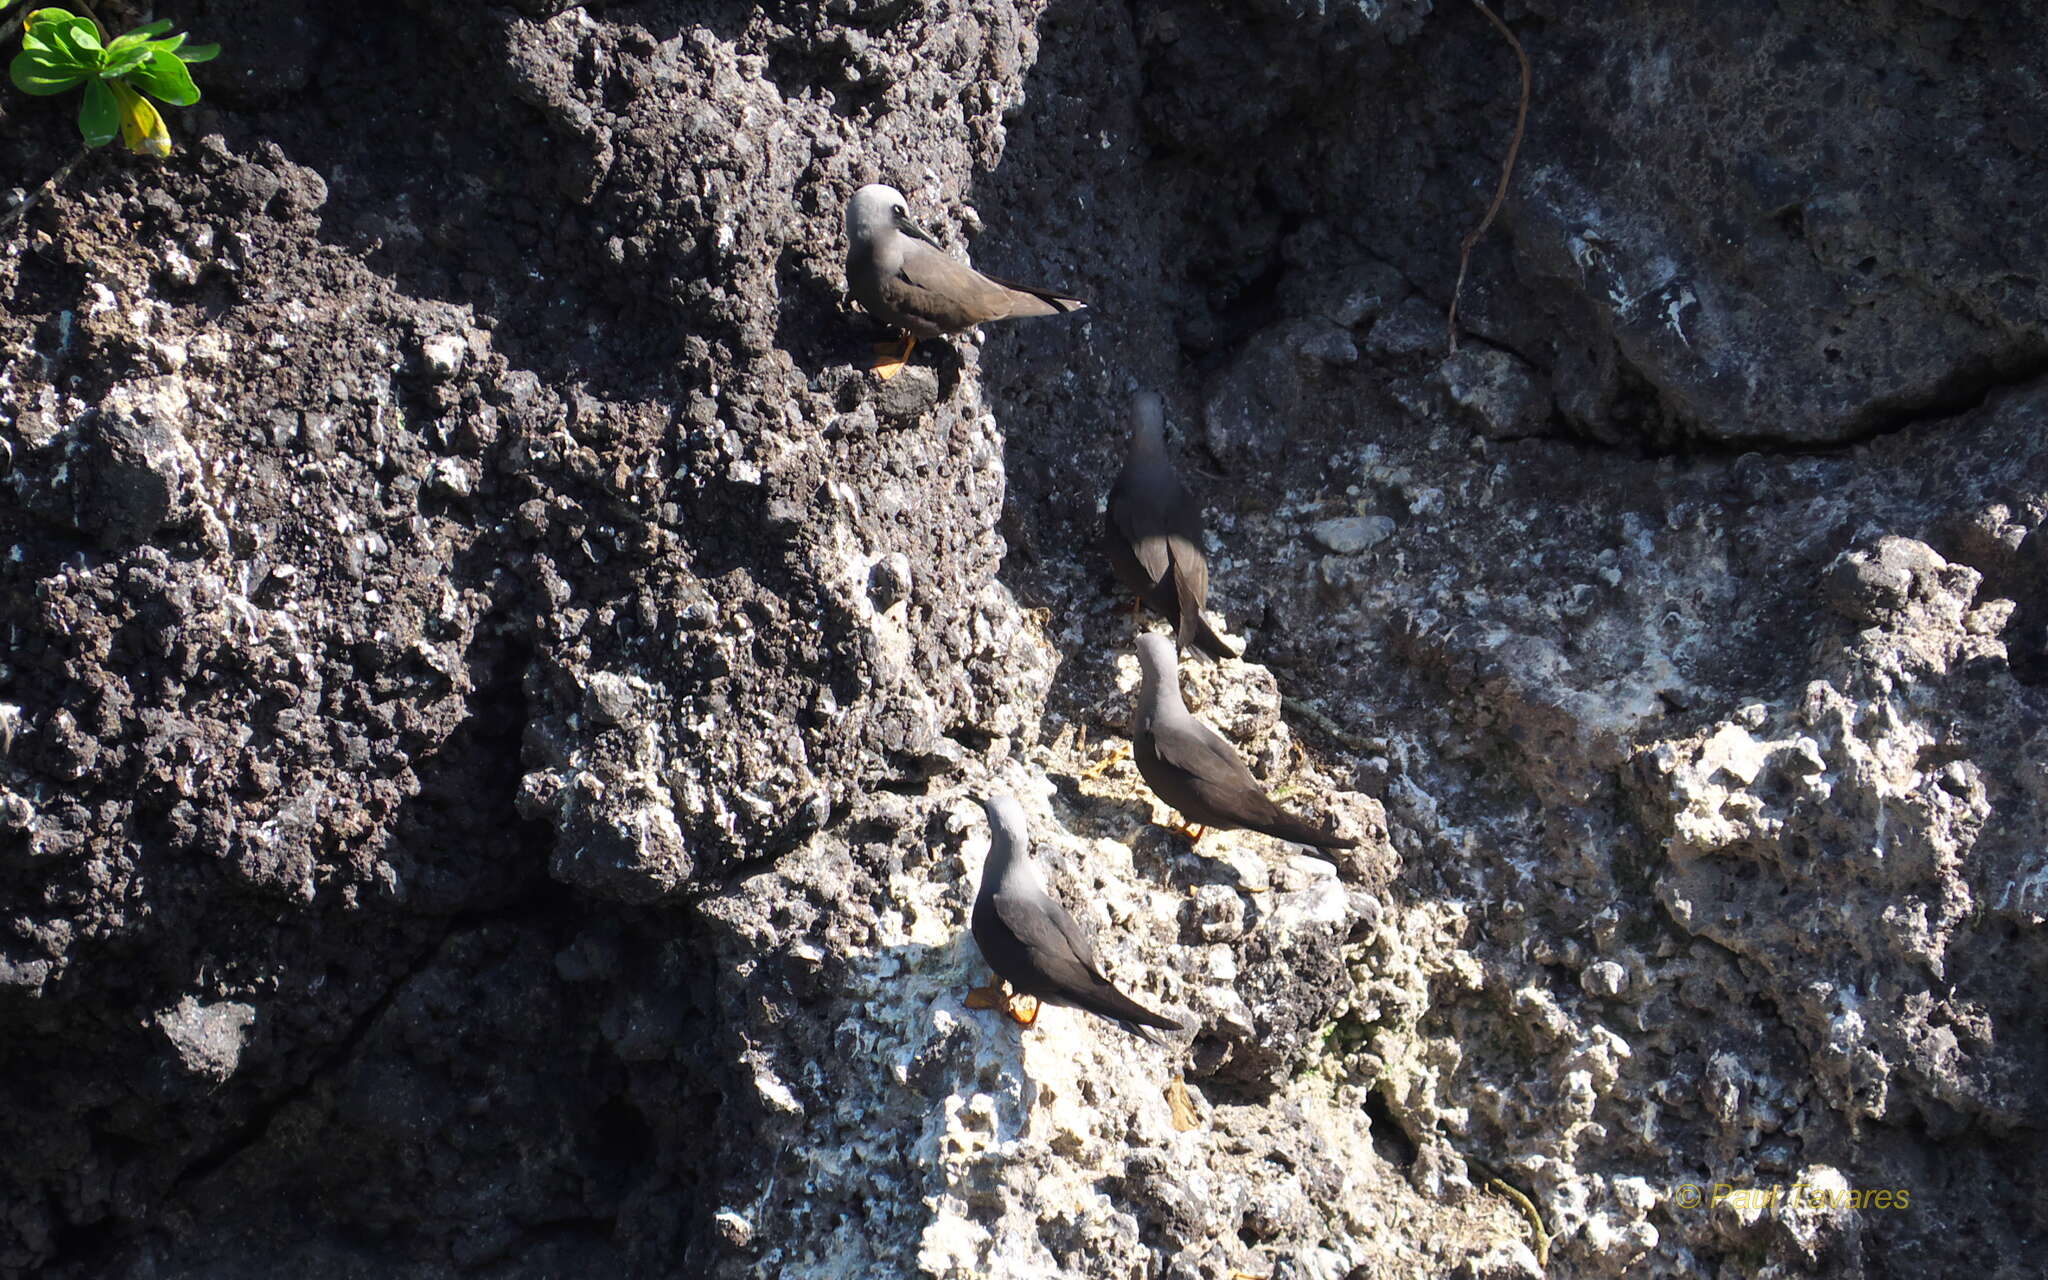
(61, 50)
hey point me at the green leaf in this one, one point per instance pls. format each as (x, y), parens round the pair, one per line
(69, 37)
(141, 35)
(199, 52)
(99, 117)
(121, 61)
(121, 45)
(60, 32)
(45, 21)
(42, 75)
(164, 77)
(33, 41)
(77, 32)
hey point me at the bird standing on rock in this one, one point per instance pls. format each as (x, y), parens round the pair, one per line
(1152, 532)
(1031, 942)
(1195, 769)
(901, 276)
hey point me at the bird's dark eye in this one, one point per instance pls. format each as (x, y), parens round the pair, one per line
(902, 212)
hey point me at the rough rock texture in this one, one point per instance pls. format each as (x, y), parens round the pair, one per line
(494, 692)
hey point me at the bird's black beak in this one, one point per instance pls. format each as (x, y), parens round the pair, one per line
(909, 228)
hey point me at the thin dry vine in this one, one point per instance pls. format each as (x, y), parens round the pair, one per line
(1507, 169)
(49, 184)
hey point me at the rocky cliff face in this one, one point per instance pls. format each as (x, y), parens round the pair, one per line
(494, 691)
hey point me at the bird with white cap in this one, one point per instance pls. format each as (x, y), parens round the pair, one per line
(900, 275)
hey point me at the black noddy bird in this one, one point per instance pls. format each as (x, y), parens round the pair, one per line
(1031, 942)
(901, 276)
(1195, 770)
(1152, 532)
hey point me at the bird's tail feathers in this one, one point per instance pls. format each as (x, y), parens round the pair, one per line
(1288, 827)
(1120, 1008)
(1181, 600)
(1138, 1029)
(1196, 633)
(1029, 300)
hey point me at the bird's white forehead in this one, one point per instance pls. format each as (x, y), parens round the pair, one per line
(877, 196)
(1149, 410)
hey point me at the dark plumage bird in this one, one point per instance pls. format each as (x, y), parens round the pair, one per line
(903, 278)
(1031, 942)
(1152, 532)
(1195, 769)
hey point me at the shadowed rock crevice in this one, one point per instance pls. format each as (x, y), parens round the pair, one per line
(255, 1130)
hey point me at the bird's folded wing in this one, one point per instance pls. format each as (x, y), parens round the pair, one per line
(1211, 768)
(1053, 939)
(1195, 749)
(1151, 553)
(947, 292)
(1065, 957)
(1035, 300)
(1190, 573)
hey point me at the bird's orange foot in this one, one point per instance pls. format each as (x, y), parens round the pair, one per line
(994, 997)
(890, 357)
(1022, 1019)
(1104, 765)
(1193, 834)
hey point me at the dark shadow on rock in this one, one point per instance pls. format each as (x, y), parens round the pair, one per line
(499, 1016)
(1092, 192)
(585, 273)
